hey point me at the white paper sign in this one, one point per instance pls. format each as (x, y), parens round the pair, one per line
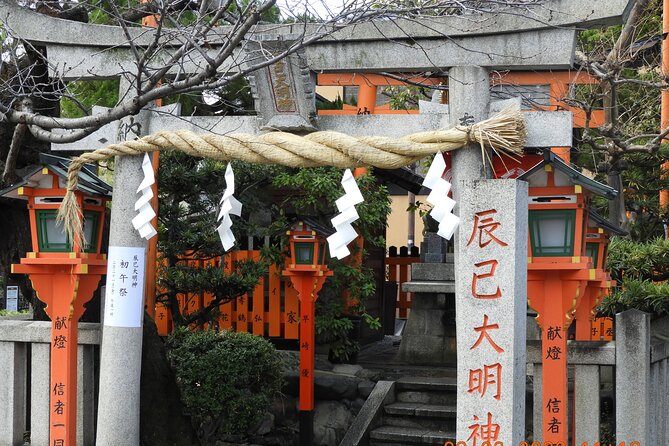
(124, 298)
(13, 298)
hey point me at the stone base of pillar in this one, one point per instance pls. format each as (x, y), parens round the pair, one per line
(429, 335)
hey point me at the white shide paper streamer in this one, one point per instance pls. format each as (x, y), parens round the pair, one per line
(342, 223)
(142, 221)
(229, 205)
(439, 199)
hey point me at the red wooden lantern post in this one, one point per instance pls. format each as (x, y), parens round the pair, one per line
(64, 276)
(307, 272)
(558, 273)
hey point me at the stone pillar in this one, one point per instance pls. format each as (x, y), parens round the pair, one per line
(121, 347)
(86, 395)
(39, 393)
(537, 406)
(491, 303)
(469, 97)
(587, 404)
(633, 377)
(12, 392)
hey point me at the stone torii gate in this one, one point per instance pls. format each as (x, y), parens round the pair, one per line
(469, 47)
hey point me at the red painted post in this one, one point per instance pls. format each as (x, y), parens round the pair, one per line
(555, 293)
(65, 284)
(307, 284)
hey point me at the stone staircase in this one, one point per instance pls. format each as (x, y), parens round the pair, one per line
(423, 413)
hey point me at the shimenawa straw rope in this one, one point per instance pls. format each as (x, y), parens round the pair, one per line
(503, 133)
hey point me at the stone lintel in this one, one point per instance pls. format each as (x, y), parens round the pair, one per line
(544, 129)
(433, 287)
(40, 332)
(38, 28)
(578, 352)
(549, 49)
(70, 62)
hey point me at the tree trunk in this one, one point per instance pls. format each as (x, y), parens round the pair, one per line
(617, 214)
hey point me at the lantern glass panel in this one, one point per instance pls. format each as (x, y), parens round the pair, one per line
(304, 253)
(91, 228)
(552, 232)
(51, 236)
(592, 251)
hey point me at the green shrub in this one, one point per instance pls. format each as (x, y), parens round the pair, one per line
(643, 295)
(227, 379)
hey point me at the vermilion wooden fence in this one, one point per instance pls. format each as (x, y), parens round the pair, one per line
(601, 329)
(398, 269)
(271, 310)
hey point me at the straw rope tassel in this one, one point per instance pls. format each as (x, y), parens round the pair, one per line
(504, 133)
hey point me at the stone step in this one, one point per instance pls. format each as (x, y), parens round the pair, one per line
(426, 397)
(394, 371)
(420, 410)
(428, 383)
(417, 415)
(394, 435)
(439, 424)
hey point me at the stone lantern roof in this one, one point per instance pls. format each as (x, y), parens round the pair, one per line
(565, 175)
(601, 222)
(89, 182)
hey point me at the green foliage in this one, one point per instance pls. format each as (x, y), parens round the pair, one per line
(631, 260)
(333, 322)
(643, 295)
(641, 270)
(337, 104)
(406, 97)
(85, 94)
(639, 264)
(315, 192)
(333, 328)
(12, 313)
(227, 379)
(189, 193)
